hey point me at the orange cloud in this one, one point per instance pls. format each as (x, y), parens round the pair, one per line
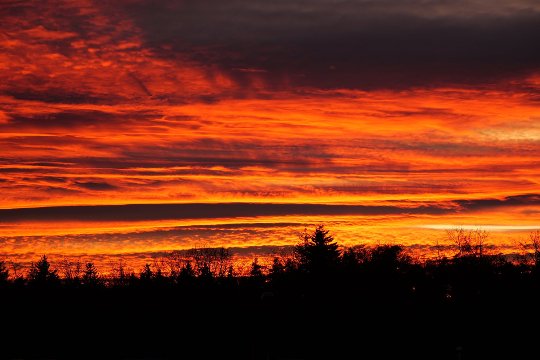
(92, 112)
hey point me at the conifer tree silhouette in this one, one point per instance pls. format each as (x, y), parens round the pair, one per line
(41, 273)
(318, 253)
(90, 275)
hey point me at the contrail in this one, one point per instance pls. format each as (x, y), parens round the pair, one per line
(140, 83)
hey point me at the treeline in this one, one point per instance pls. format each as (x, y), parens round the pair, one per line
(198, 263)
(316, 256)
(320, 302)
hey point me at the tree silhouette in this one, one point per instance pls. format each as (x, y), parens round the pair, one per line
(186, 274)
(41, 273)
(388, 257)
(353, 259)
(230, 272)
(159, 278)
(209, 262)
(205, 272)
(121, 278)
(71, 272)
(256, 270)
(318, 253)
(534, 243)
(4, 272)
(90, 275)
(469, 244)
(146, 274)
(277, 269)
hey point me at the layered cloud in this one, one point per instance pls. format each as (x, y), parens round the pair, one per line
(120, 117)
(324, 147)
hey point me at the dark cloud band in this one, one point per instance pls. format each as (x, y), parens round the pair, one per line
(349, 44)
(140, 212)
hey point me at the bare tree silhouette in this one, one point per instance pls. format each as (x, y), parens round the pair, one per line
(468, 243)
(71, 271)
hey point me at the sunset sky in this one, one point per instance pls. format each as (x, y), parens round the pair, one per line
(134, 127)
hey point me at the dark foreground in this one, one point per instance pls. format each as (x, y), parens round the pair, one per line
(324, 303)
(330, 322)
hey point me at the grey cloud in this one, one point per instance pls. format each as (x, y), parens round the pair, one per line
(516, 200)
(95, 185)
(355, 44)
(137, 212)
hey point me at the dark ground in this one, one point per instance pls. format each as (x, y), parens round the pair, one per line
(167, 323)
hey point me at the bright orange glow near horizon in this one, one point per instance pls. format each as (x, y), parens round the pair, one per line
(128, 129)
